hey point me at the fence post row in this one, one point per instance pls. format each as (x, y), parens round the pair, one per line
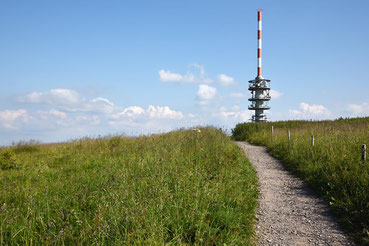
(363, 152)
(363, 147)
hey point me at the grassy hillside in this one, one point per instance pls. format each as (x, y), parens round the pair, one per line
(187, 186)
(333, 167)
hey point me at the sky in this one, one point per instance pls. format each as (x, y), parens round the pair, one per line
(70, 69)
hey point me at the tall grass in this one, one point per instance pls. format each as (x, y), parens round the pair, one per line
(184, 187)
(333, 166)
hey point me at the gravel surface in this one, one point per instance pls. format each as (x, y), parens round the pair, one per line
(289, 212)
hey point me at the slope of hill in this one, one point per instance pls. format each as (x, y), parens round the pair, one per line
(333, 166)
(188, 186)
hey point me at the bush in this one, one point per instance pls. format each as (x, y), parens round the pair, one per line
(8, 159)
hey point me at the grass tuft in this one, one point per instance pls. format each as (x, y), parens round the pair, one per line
(26, 146)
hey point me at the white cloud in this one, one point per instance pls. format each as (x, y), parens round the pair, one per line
(93, 120)
(205, 93)
(314, 109)
(275, 94)
(198, 76)
(9, 118)
(237, 95)
(100, 104)
(358, 109)
(225, 80)
(53, 113)
(132, 111)
(168, 76)
(49, 119)
(151, 112)
(163, 113)
(307, 111)
(54, 96)
(69, 100)
(150, 120)
(233, 116)
(241, 116)
(58, 113)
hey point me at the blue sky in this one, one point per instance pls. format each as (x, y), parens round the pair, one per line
(85, 68)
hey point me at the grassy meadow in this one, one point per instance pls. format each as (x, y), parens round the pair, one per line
(333, 166)
(185, 187)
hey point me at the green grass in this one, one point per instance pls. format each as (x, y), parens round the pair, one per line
(184, 187)
(333, 167)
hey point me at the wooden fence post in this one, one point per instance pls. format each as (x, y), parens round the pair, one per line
(312, 140)
(272, 130)
(289, 135)
(363, 152)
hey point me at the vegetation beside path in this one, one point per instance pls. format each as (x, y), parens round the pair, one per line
(185, 187)
(333, 166)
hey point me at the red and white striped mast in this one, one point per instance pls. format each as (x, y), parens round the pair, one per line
(259, 44)
(259, 87)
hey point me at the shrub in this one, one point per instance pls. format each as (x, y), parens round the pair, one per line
(8, 159)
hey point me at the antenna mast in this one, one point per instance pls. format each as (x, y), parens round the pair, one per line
(259, 87)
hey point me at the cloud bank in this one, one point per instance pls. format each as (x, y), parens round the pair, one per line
(67, 113)
(358, 109)
(310, 111)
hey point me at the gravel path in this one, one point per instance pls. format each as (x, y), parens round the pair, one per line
(289, 213)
